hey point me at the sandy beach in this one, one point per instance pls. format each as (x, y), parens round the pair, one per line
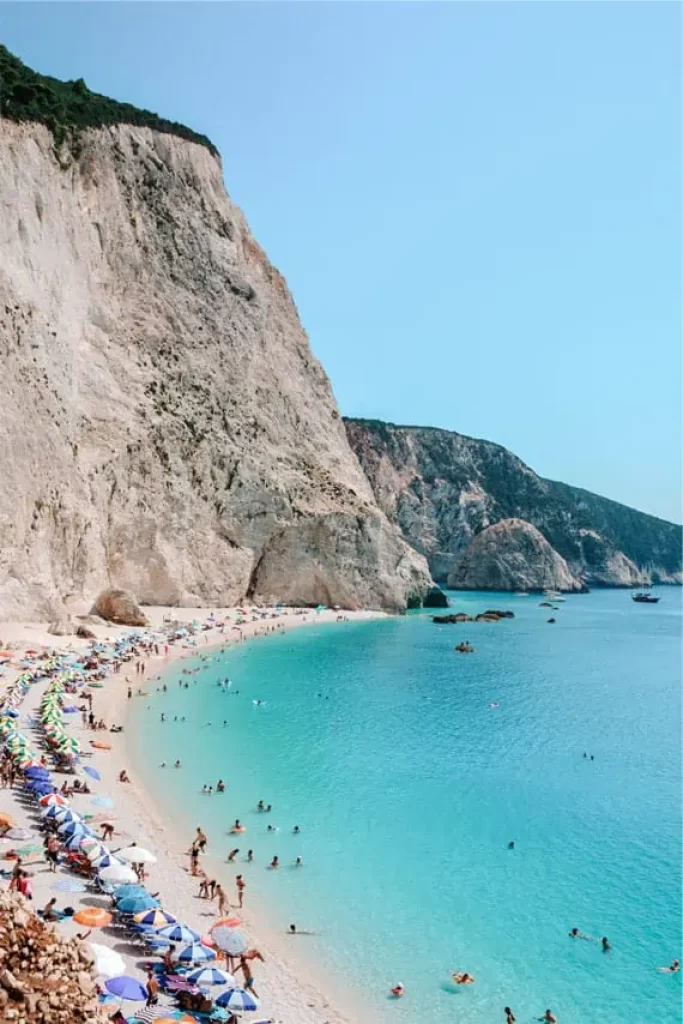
(291, 986)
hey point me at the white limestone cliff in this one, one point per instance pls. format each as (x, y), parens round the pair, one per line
(164, 427)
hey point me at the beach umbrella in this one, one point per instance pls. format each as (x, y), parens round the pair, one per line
(178, 933)
(70, 828)
(126, 987)
(237, 999)
(229, 941)
(92, 772)
(36, 771)
(211, 976)
(157, 918)
(133, 889)
(53, 800)
(136, 855)
(53, 810)
(64, 814)
(134, 904)
(118, 872)
(226, 922)
(74, 842)
(18, 833)
(69, 885)
(158, 1014)
(93, 917)
(195, 953)
(103, 860)
(108, 963)
(93, 848)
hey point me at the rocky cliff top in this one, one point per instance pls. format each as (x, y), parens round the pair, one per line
(443, 488)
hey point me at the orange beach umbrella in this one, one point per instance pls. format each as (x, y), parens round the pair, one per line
(93, 917)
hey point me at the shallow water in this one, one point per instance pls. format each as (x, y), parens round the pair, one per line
(379, 742)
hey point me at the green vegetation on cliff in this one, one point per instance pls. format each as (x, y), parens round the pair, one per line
(65, 107)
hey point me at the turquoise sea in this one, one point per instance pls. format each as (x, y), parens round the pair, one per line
(378, 741)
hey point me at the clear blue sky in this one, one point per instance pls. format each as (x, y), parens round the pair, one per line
(477, 206)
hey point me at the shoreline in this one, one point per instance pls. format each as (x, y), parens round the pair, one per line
(292, 986)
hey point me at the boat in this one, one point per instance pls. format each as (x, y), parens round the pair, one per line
(644, 597)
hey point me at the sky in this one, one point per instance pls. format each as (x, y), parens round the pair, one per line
(477, 206)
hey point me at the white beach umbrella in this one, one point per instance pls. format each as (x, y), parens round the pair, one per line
(136, 855)
(118, 873)
(108, 963)
(229, 941)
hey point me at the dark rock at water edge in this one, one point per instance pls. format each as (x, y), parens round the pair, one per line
(435, 598)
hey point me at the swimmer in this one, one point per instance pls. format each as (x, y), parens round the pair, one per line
(298, 863)
(606, 948)
(296, 830)
(233, 854)
(548, 1017)
(272, 828)
(576, 934)
(275, 862)
(398, 990)
(673, 968)
(163, 764)
(205, 789)
(220, 786)
(260, 806)
(163, 717)
(224, 724)
(494, 704)
(511, 844)
(178, 764)
(509, 1016)
(463, 978)
(250, 856)
(238, 826)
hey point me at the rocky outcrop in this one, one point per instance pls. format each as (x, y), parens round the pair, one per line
(120, 607)
(512, 555)
(435, 599)
(443, 489)
(44, 977)
(164, 427)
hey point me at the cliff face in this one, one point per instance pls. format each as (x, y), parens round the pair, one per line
(512, 555)
(443, 489)
(164, 427)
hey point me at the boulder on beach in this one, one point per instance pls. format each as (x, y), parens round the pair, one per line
(120, 606)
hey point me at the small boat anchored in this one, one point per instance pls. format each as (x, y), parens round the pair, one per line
(644, 597)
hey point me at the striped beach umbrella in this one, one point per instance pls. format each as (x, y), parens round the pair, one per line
(178, 933)
(237, 999)
(211, 976)
(156, 917)
(53, 800)
(195, 953)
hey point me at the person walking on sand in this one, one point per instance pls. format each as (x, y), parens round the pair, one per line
(245, 968)
(241, 886)
(222, 900)
(194, 860)
(152, 986)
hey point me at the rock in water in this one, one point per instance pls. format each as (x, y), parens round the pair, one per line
(512, 555)
(120, 607)
(435, 599)
(164, 426)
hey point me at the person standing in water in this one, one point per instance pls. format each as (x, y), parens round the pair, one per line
(509, 1016)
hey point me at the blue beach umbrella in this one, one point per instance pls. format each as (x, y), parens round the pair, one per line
(195, 953)
(126, 987)
(156, 918)
(74, 843)
(211, 976)
(53, 810)
(71, 828)
(64, 815)
(92, 772)
(104, 860)
(134, 904)
(237, 999)
(37, 773)
(129, 890)
(178, 933)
